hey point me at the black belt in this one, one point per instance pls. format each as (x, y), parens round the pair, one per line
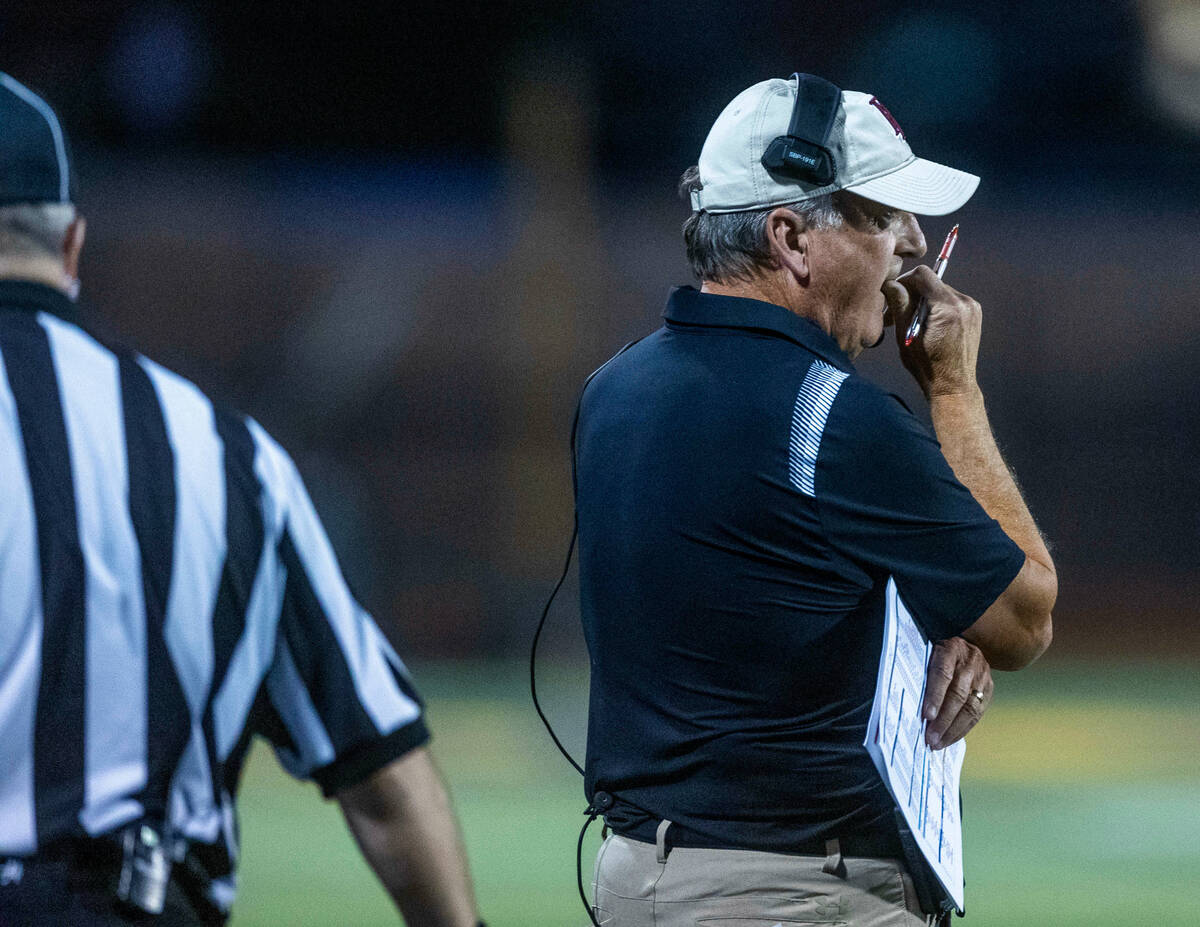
(876, 846)
(95, 864)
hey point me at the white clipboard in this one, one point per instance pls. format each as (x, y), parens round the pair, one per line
(924, 783)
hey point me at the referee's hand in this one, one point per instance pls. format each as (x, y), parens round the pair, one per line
(957, 693)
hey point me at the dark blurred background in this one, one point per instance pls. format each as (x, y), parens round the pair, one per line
(401, 234)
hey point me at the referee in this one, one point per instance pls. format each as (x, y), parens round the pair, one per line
(166, 592)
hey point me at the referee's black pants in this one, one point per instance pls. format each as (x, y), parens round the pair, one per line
(72, 891)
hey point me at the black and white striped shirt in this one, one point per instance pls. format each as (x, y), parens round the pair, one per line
(166, 592)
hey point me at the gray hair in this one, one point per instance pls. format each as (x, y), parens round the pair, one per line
(729, 246)
(34, 229)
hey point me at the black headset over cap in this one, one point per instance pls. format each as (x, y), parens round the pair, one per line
(804, 152)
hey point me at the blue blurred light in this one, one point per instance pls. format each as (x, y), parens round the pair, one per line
(158, 67)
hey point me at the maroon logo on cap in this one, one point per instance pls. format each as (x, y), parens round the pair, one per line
(874, 101)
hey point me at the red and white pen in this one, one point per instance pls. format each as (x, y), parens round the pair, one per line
(939, 268)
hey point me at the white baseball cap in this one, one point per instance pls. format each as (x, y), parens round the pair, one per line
(870, 153)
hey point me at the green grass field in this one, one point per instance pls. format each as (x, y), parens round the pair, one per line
(1081, 792)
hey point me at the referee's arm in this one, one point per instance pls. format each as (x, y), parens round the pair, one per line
(405, 827)
(345, 713)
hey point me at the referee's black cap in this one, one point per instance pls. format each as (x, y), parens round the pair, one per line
(33, 148)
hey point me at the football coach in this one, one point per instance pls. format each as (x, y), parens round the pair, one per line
(743, 498)
(167, 592)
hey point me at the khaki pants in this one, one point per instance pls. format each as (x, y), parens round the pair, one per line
(640, 885)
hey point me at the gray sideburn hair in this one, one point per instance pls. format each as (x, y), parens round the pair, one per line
(732, 246)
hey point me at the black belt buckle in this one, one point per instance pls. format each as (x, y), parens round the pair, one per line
(145, 868)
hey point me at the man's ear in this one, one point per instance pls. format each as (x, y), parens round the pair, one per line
(787, 237)
(73, 245)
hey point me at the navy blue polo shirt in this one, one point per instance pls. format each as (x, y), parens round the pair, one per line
(743, 497)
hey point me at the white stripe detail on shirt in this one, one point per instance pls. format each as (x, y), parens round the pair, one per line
(20, 634)
(115, 703)
(813, 402)
(60, 148)
(195, 574)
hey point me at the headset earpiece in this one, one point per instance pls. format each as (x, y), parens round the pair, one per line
(803, 153)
